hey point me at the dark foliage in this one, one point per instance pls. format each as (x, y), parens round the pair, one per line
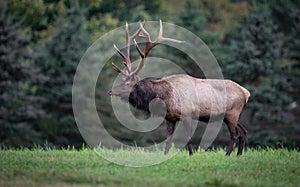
(61, 58)
(19, 105)
(125, 10)
(257, 62)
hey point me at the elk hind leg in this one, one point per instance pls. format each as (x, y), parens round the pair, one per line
(190, 131)
(242, 132)
(231, 124)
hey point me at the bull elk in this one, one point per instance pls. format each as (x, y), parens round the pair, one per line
(180, 101)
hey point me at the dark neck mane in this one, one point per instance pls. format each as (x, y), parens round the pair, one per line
(145, 91)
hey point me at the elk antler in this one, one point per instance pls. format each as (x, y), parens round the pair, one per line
(126, 57)
(149, 45)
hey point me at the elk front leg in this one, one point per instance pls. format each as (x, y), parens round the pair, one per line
(170, 132)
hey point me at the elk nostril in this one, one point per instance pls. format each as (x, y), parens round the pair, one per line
(110, 92)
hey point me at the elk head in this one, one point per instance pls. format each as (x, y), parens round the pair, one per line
(130, 77)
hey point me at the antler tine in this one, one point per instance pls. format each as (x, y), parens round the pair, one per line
(136, 34)
(120, 53)
(160, 38)
(138, 49)
(142, 54)
(127, 61)
(124, 57)
(160, 30)
(146, 34)
(116, 68)
(128, 43)
(128, 39)
(148, 47)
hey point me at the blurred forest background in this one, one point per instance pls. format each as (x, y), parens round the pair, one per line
(257, 44)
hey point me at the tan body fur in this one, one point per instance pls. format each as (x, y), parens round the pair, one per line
(204, 97)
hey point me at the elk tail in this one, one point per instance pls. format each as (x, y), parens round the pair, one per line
(247, 94)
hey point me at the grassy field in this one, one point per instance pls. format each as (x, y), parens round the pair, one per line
(85, 168)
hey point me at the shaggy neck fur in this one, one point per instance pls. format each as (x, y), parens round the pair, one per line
(145, 91)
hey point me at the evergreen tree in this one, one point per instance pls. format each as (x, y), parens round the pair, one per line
(211, 20)
(294, 55)
(63, 54)
(294, 40)
(125, 10)
(257, 62)
(193, 19)
(18, 76)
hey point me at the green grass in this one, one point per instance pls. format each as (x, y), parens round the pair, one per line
(85, 168)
